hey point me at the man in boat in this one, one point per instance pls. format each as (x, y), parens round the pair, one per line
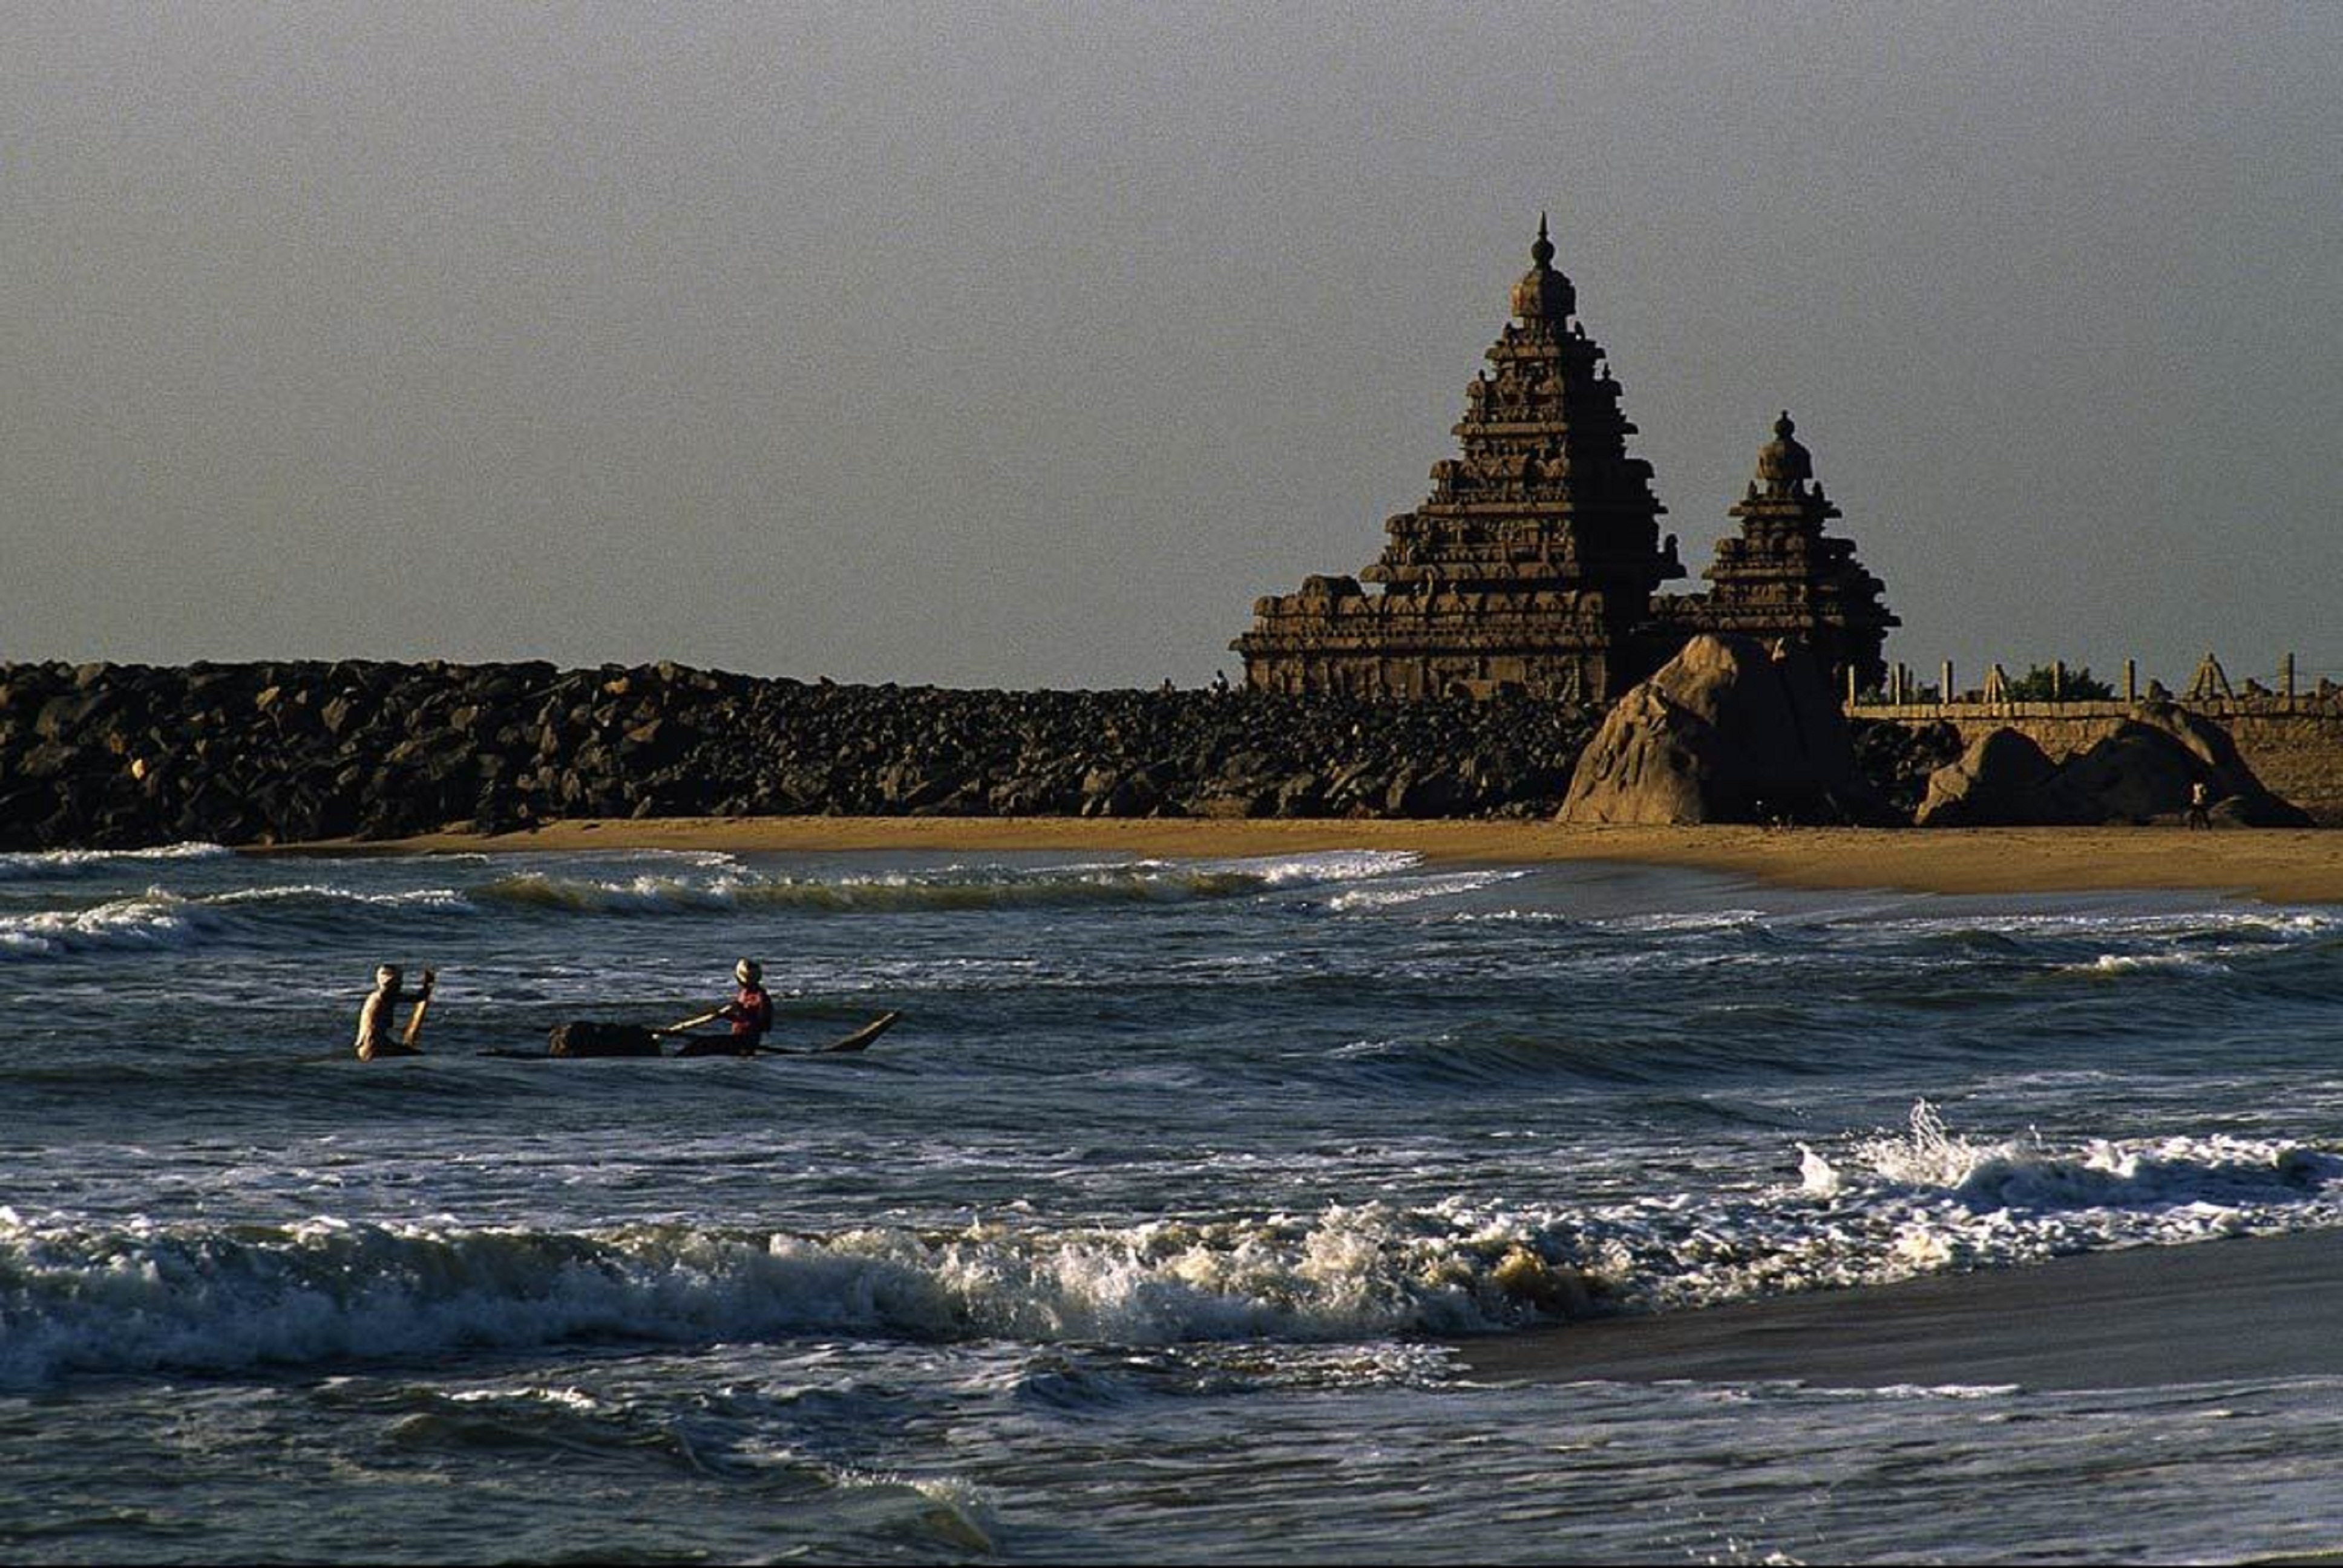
(750, 1011)
(377, 1018)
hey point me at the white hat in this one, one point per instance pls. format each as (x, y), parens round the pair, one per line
(748, 972)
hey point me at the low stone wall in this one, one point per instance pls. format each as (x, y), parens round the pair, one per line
(2299, 756)
(109, 755)
(2294, 745)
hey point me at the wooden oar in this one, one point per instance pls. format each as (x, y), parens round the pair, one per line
(414, 1021)
(691, 1023)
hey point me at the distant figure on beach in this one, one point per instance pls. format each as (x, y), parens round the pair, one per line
(377, 1018)
(2200, 798)
(750, 1011)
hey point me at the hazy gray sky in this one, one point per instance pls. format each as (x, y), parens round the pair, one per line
(1021, 344)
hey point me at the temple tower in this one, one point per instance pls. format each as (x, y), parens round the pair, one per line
(1529, 567)
(1783, 578)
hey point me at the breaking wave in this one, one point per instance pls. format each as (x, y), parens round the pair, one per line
(141, 1298)
(159, 919)
(79, 1297)
(32, 865)
(716, 884)
(1929, 1199)
(1417, 890)
(153, 919)
(732, 887)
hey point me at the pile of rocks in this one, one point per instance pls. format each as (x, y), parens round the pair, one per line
(1899, 760)
(2142, 772)
(112, 755)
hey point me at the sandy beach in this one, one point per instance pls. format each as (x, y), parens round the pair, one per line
(2276, 865)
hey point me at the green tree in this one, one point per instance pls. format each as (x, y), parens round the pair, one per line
(2042, 684)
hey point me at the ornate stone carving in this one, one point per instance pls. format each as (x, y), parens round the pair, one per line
(1533, 562)
(1783, 578)
(1529, 565)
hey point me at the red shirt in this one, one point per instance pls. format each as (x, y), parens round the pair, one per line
(752, 1014)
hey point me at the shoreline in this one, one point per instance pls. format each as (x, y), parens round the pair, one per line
(2274, 865)
(2136, 1317)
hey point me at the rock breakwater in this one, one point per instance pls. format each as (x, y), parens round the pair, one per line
(120, 755)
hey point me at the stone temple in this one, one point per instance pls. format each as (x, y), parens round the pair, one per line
(1532, 565)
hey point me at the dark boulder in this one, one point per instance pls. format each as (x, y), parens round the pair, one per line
(1993, 783)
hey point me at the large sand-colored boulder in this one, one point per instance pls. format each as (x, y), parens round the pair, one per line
(2141, 772)
(1995, 781)
(1726, 731)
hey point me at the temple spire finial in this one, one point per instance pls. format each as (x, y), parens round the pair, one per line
(1544, 298)
(1783, 465)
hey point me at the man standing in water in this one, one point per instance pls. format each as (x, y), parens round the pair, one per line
(377, 1018)
(750, 1011)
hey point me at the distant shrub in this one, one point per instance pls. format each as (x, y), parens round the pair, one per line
(1876, 696)
(2042, 684)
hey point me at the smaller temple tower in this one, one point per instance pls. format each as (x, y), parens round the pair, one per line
(1783, 578)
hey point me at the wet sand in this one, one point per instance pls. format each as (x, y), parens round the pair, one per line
(2283, 865)
(2211, 1311)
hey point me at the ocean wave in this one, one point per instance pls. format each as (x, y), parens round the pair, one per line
(2144, 963)
(83, 1297)
(80, 1298)
(159, 919)
(2214, 930)
(1495, 1057)
(1697, 922)
(1417, 890)
(1326, 865)
(31, 865)
(330, 896)
(156, 919)
(1929, 1199)
(2198, 1174)
(732, 888)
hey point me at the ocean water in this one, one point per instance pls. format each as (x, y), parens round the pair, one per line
(1148, 1235)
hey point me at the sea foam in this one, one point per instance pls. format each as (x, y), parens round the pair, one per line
(78, 1297)
(141, 1297)
(161, 918)
(728, 887)
(29, 865)
(156, 919)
